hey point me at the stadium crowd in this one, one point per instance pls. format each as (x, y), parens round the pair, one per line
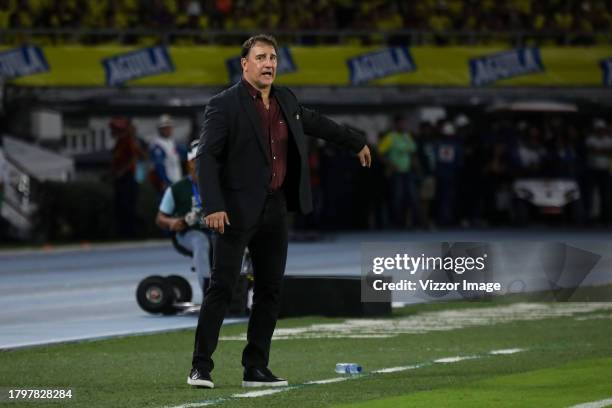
(583, 17)
(457, 173)
(454, 172)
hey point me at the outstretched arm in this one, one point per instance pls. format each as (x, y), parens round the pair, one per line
(321, 126)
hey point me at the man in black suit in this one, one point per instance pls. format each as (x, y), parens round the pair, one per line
(252, 167)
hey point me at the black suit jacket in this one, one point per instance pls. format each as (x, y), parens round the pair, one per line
(233, 159)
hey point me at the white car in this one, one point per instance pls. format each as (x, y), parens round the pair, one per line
(548, 197)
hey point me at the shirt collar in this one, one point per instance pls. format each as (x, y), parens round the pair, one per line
(254, 92)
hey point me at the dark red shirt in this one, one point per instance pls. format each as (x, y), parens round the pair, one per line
(275, 132)
(125, 155)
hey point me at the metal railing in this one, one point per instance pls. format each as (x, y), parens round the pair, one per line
(90, 36)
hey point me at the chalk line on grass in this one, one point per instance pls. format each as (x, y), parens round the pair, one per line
(198, 404)
(455, 359)
(398, 369)
(594, 317)
(261, 393)
(328, 381)
(272, 391)
(595, 404)
(505, 351)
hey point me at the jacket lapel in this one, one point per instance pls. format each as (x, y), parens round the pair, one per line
(290, 118)
(249, 107)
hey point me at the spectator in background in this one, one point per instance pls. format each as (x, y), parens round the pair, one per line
(244, 18)
(6, 9)
(379, 194)
(576, 139)
(566, 22)
(142, 164)
(426, 152)
(65, 14)
(564, 158)
(125, 155)
(449, 159)
(399, 150)
(471, 203)
(22, 16)
(158, 15)
(529, 154)
(440, 22)
(565, 164)
(496, 181)
(599, 151)
(180, 212)
(219, 11)
(191, 15)
(165, 156)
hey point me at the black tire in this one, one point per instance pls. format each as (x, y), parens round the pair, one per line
(155, 295)
(181, 287)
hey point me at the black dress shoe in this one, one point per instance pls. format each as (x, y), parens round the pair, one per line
(261, 377)
(200, 378)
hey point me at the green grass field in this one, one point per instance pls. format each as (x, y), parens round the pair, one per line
(565, 359)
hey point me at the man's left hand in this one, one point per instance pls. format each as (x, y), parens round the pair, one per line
(365, 158)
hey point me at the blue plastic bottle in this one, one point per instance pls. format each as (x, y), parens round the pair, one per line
(348, 368)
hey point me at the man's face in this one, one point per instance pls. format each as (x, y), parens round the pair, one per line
(259, 66)
(165, 131)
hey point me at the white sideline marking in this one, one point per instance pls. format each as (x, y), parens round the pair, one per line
(594, 316)
(261, 393)
(594, 404)
(329, 380)
(449, 360)
(397, 369)
(446, 360)
(505, 351)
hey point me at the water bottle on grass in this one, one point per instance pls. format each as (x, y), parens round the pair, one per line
(348, 368)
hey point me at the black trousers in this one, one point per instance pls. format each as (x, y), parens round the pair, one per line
(267, 243)
(599, 180)
(125, 200)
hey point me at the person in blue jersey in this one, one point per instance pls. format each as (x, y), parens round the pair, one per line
(165, 156)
